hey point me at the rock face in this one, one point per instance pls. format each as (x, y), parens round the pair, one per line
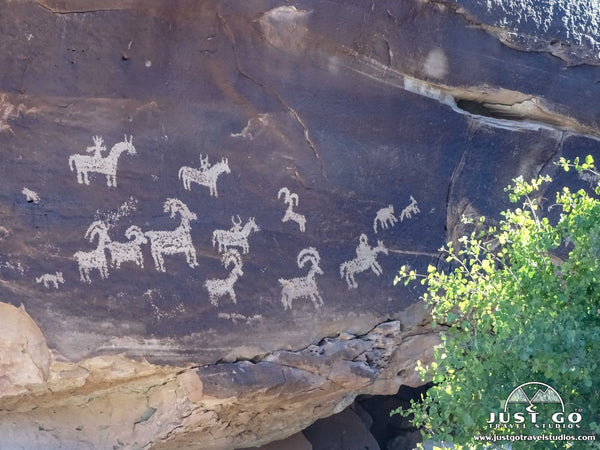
(204, 203)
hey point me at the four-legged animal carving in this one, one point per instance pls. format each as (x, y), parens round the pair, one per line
(84, 164)
(219, 288)
(94, 259)
(411, 209)
(121, 252)
(51, 279)
(206, 176)
(303, 286)
(175, 241)
(385, 216)
(237, 236)
(365, 259)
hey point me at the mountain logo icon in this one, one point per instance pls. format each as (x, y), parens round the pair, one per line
(538, 393)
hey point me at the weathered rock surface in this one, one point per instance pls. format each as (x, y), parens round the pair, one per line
(139, 140)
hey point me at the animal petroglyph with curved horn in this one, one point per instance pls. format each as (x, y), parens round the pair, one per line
(365, 259)
(237, 236)
(291, 199)
(84, 164)
(174, 241)
(94, 259)
(218, 288)
(206, 176)
(303, 286)
(121, 252)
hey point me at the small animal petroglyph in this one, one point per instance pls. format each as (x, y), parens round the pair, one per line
(303, 286)
(385, 217)
(411, 209)
(219, 288)
(234, 317)
(51, 279)
(175, 241)
(94, 259)
(365, 259)
(237, 236)
(291, 199)
(206, 176)
(121, 252)
(30, 196)
(106, 165)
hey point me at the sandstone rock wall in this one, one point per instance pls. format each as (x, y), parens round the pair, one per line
(204, 203)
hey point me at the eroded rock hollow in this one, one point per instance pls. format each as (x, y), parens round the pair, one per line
(204, 204)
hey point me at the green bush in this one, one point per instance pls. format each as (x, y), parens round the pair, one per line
(520, 303)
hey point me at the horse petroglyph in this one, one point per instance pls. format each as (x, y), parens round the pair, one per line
(303, 286)
(410, 210)
(51, 279)
(291, 199)
(385, 217)
(121, 252)
(237, 236)
(206, 176)
(175, 241)
(219, 288)
(94, 259)
(365, 259)
(105, 165)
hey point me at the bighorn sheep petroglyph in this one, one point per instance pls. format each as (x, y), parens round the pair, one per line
(291, 199)
(218, 288)
(303, 286)
(174, 241)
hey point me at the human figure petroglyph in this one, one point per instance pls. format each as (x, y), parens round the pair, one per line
(51, 279)
(206, 176)
(385, 217)
(175, 241)
(237, 236)
(219, 288)
(94, 259)
(303, 286)
(365, 259)
(97, 148)
(410, 210)
(131, 251)
(291, 200)
(84, 164)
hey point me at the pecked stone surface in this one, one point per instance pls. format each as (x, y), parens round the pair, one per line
(139, 139)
